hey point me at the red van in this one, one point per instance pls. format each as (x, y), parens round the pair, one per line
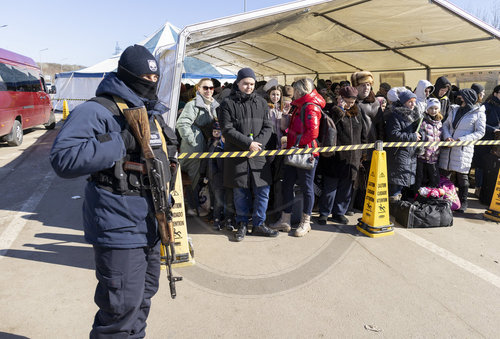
(24, 102)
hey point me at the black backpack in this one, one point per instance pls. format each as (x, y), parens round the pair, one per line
(327, 130)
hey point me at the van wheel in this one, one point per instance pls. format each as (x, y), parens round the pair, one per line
(52, 121)
(15, 137)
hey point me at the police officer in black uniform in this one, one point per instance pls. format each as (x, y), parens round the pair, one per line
(117, 211)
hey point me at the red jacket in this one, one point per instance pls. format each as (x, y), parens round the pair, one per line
(312, 117)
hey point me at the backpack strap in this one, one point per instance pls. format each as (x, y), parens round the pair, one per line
(303, 116)
(108, 103)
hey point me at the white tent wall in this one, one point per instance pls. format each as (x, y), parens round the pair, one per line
(320, 38)
(82, 84)
(77, 89)
(165, 85)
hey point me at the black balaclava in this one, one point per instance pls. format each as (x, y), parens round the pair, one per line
(136, 61)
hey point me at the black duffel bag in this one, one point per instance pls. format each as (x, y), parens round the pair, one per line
(423, 213)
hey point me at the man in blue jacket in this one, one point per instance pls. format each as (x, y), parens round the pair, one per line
(117, 212)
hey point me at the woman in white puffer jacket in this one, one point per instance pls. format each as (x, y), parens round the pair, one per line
(466, 122)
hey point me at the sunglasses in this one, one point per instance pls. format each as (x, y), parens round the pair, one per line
(206, 88)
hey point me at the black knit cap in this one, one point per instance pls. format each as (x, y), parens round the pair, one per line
(245, 73)
(478, 88)
(468, 95)
(138, 61)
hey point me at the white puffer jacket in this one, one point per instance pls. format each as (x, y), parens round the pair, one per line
(470, 127)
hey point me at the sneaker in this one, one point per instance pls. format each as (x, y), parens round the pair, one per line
(339, 219)
(322, 219)
(349, 213)
(230, 225)
(462, 208)
(203, 212)
(265, 231)
(191, 212)
(477, 192)
(217, 225)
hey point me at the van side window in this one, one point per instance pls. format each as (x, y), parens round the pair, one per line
(34, 80)
(18, 78)
(7, 78)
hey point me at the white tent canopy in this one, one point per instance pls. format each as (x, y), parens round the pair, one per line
(317, 38)
(81, 85)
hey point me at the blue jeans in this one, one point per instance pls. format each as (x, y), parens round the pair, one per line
(243, 201)
(305, 180)
(335, 195)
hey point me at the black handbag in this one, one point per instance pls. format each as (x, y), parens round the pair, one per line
(303, 161)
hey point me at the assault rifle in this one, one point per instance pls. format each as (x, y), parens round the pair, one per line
(138, 120)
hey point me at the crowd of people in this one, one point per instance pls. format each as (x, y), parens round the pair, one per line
(252, 115)
(121, 205)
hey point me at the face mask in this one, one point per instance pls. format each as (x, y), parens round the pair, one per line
(142, 87)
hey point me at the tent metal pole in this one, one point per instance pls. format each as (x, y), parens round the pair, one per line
(256, 29)
(372, 40)
(414, 46)
(214, 57)
(241, 56)
(177, 77)
(467, 17)
(346, 6)
(318, 51)
(470, 67)
(457, 42)
(277, 56)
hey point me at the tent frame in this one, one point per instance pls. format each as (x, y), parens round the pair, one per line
(294, 6)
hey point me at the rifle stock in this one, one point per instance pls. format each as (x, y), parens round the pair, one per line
(138, 120)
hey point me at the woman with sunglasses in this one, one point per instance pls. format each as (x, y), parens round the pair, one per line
(195, 128)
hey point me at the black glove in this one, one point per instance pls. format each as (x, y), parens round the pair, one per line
(131, 144)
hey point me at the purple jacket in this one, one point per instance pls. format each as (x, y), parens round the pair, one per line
(430, 130)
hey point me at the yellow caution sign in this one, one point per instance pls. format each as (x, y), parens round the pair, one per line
(65, 110)
(375, 221)
(493, 213)
(183, 247)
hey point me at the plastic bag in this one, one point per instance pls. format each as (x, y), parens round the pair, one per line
(450, 192)
(204, 201)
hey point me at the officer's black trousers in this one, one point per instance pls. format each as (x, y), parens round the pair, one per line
(128, 279)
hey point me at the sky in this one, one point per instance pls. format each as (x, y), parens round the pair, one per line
(85, 32)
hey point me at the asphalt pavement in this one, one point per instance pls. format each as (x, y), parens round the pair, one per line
(334, 282)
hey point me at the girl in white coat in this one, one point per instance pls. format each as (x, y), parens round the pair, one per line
(466, 122)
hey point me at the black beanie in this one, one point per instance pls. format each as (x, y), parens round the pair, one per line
(469, 96)
(245, 73)
(478, 88)
(136, 61)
